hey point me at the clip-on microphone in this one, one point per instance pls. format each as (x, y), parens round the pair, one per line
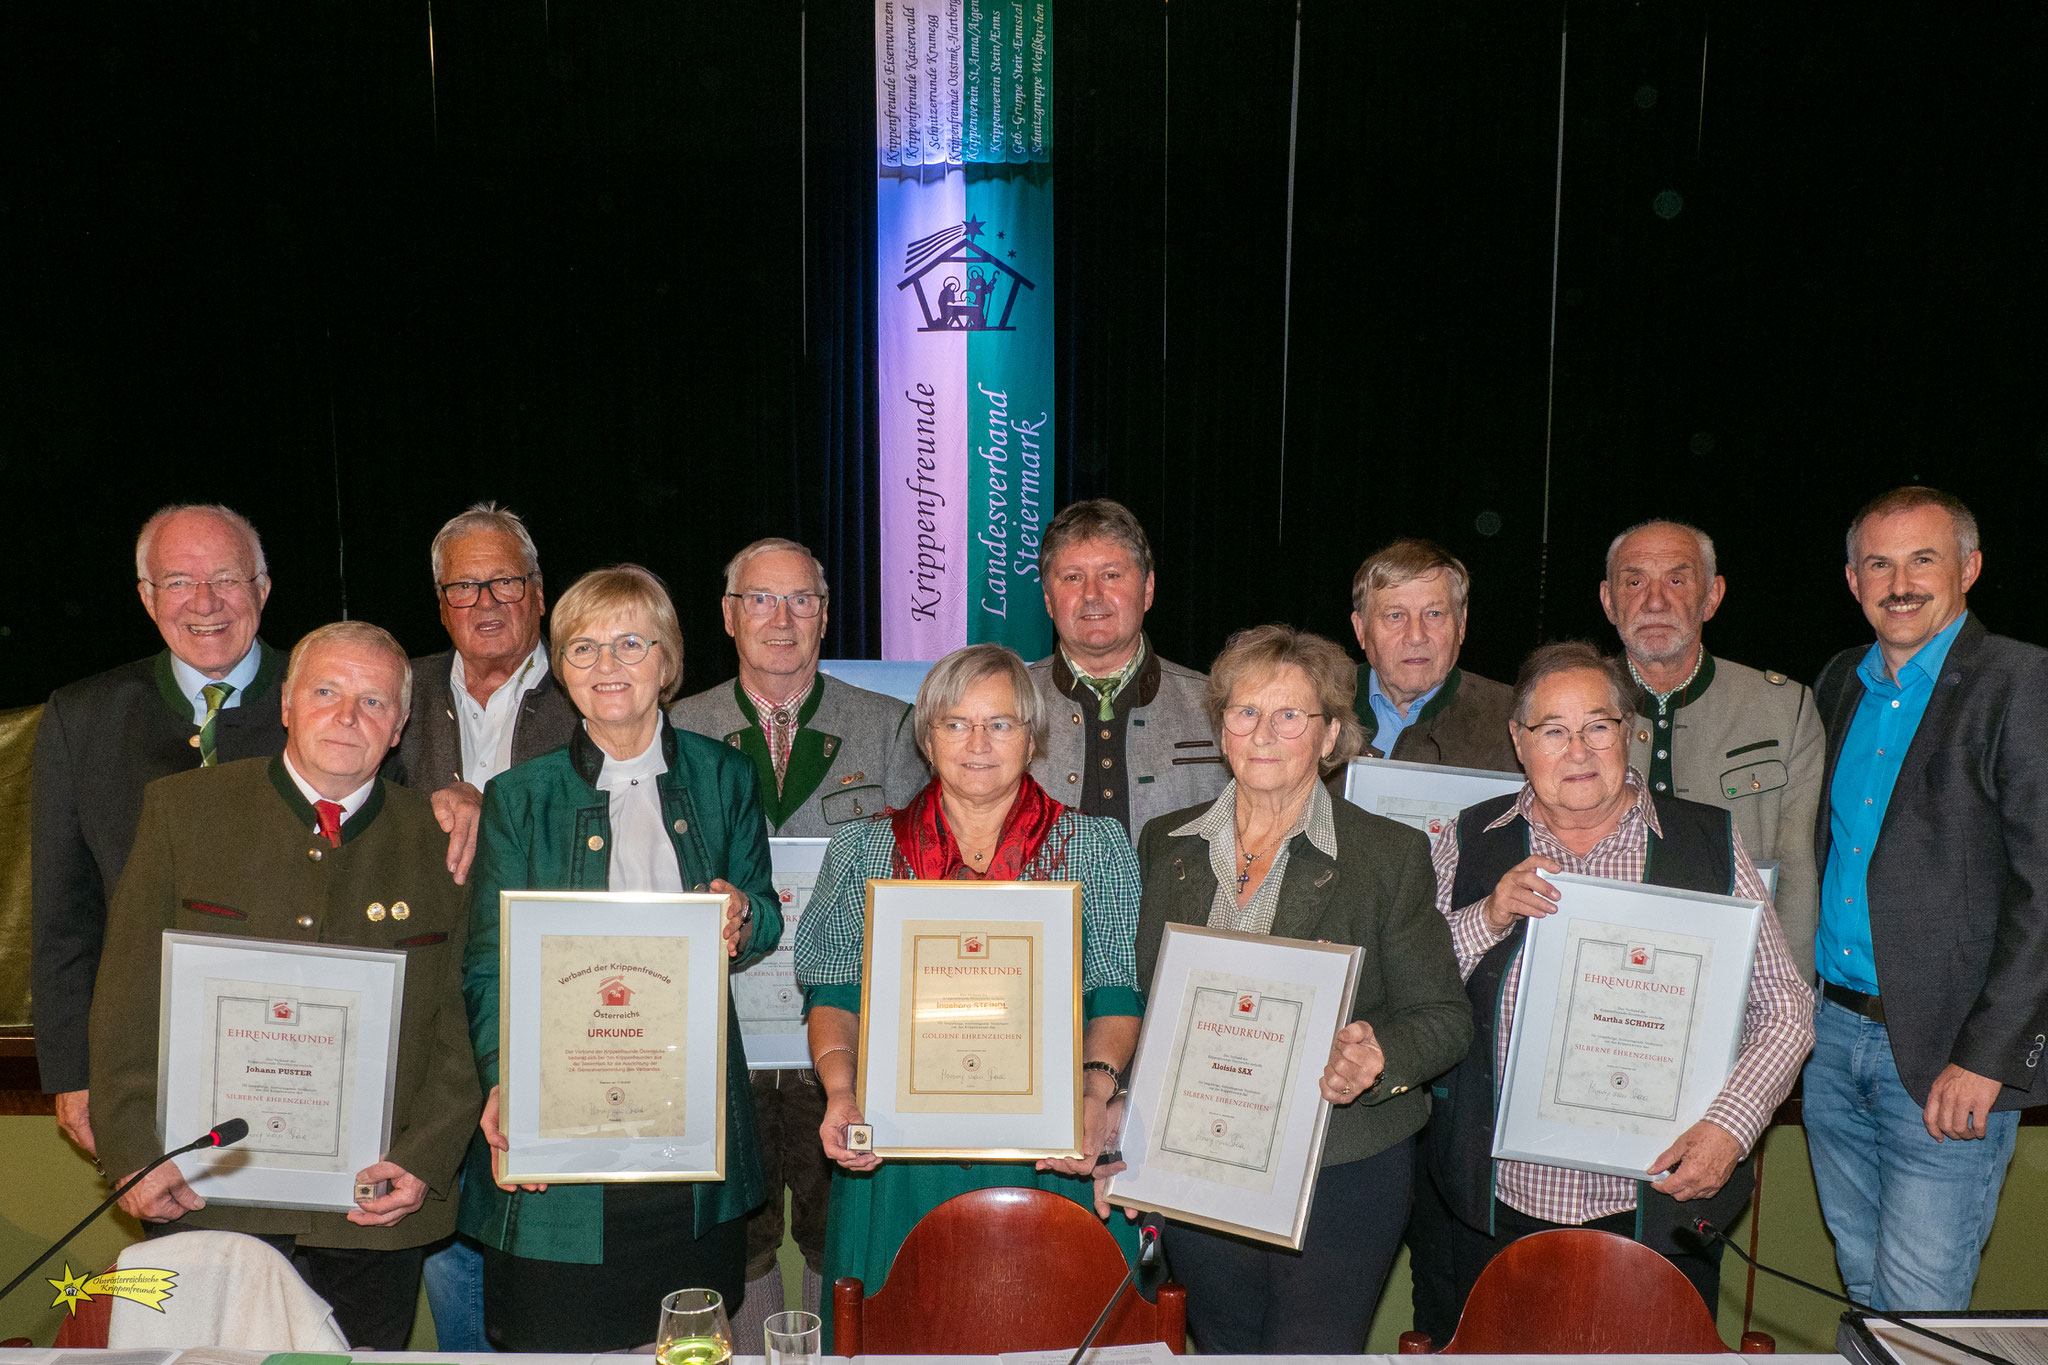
(1707, 1234)
(1148, 1258)
(234, 1130)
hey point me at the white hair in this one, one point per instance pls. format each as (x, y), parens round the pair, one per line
(357, 634)
(485, 516)
(1706, 544)
(146, 541)
(950, 678)
(768, 546)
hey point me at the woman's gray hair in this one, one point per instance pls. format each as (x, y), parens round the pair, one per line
(1259, 652)
(146, 541)
(484, 516)
(768, 546)
(1571, 656)
(940, 692)
(360, 633)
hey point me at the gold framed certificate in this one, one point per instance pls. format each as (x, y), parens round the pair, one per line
(1224, 1123)
(612, 1014)
(298, 1039)
(970, 1035)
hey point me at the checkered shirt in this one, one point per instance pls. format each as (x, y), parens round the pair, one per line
(1099, 856)
(1777, 1028)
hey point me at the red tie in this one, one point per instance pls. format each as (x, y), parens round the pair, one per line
(330, 821)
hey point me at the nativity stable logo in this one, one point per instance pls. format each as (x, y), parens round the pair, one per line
(961, 285)
(140, 1284)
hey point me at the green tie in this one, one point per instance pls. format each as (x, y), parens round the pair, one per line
(216, 695)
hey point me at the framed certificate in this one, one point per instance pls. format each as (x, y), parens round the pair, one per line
(769, 1002)
(1769, 872)
(611, 1036)
(1627, 1023)
(1422, 795)
(1224, 1123)
(970, 1019)
(300, 1040)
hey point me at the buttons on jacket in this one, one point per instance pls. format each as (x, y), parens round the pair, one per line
(682, 826)
(315, 854)
(1073, 777)
(305, 921)
(400, 910)
(375, 912)
(596, 842)
(194, 741)
(1077, 717)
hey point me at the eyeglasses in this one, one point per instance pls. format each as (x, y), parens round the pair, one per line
(627, 649)
(1288, 721)
(467, 592)
(761, 605)
(187, 587)
(1599, 735)
(999, 728)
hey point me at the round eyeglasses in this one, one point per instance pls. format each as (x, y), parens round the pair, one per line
(761, 605)
(1600, 734)
(627, 649)
(1288, 722)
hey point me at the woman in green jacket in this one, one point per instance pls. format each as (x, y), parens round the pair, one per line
(629, 805)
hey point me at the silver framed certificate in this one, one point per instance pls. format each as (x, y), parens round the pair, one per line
(611, 1036)
(970, 1019)
(1225, 1120)
(300, 1040)
(766, 997)
(1627, 1023)
(1422, 796)
(1769, 873)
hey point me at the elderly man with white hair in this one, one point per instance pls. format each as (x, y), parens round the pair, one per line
(1710, 730)
(209, 697)
(826, 754)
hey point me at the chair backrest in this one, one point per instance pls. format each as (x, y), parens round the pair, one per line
(1575, 1291)
(1008, 1269)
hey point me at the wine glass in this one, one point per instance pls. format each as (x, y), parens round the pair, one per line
(793, 1338)
(693, 1329)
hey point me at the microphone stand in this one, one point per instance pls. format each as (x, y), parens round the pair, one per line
(1708, 1232)
(215, 1138)
(1148, 1252)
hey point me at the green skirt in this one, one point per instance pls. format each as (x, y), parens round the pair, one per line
(873, 1211)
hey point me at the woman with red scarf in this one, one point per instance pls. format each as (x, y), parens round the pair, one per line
(979, 723)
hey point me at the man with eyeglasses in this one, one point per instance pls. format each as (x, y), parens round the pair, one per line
(825, 753)
(210, 697)
(1584, 810)
(1711, 730)
(479, 708)
(1130, 737)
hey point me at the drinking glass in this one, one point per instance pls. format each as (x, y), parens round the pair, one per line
(794, 1338)
(693, 1329)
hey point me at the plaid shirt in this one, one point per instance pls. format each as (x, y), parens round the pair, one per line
(778, 727)
(1777, 1027)
(1099, 856)
(1218, 825)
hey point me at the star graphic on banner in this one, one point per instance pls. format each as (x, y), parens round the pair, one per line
(1013, 251)
(974, 227)
(70, 1290)
(1001, 235)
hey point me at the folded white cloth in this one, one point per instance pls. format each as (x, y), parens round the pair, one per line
(231, 1290)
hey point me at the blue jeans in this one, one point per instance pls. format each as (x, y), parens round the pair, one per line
(1909, 1215)
(454, 1273)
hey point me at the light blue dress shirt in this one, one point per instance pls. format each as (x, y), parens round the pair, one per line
(1886, 720)
(1391, 721)
(191, 681)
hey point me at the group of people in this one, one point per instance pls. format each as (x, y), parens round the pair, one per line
(349, 794)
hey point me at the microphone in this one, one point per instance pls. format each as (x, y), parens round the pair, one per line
(1706, 1234)
(220, 1135)
(1148, 1258)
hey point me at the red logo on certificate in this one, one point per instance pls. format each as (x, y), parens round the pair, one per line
(284, 1011)
(1247, 1006)
(974, 945)
(614, 992)
(1640, 957)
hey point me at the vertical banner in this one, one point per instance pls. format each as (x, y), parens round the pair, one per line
(963, 105)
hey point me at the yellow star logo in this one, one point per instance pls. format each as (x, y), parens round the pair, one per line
(70, 1291)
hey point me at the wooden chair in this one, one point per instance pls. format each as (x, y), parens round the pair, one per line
(87, 1328)
(1002, 1270)
(1574, 1291)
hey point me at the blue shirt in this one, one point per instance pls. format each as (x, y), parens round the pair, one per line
(1391, 721)
(1886, 720)
(193, 683)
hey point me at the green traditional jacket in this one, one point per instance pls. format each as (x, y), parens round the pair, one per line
(546, 827)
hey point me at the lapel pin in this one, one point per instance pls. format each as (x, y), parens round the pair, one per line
(376, 910)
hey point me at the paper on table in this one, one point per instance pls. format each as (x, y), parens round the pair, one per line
(2022, 1343)
(1152, 1353)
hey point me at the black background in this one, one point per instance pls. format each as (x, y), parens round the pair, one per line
(611, 262)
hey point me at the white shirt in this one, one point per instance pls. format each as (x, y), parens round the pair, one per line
(349, 804)
(487, 726)
(192, 683)
(642, 857)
